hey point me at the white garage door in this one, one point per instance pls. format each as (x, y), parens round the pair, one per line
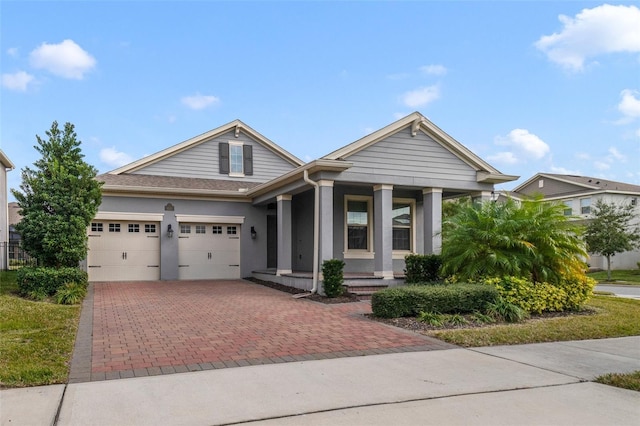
(209, 251)
(124, 251)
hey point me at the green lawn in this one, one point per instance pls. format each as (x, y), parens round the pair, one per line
(36, 338)
(628, 276)
(615, 317)
(629, 381)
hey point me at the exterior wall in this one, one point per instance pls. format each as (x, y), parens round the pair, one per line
(550, 187)
(418, 158)
(302, 212)
(4, 218)
(252, 252)
(202, 161)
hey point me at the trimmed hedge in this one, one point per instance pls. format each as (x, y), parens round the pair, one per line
(333, 277)
(411, 300)
(422, 268)
(46, 281)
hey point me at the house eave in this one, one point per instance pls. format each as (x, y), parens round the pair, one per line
(145, 190)
(4, 160)
(495, 178)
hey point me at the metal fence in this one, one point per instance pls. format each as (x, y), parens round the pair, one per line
(13, 256)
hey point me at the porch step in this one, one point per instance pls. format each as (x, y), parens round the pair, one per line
(366, 289)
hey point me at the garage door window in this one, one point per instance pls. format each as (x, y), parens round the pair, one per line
(216, 229)
(134, 227)
(185, 229)
(201, 229)
(96, 227)
(114, 227)
(150, 228)
(232, 230)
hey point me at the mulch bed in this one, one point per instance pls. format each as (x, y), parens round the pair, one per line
(345, 298)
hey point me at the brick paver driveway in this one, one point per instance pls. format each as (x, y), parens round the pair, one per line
(148, 328)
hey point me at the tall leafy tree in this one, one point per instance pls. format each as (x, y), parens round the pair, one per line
(532, 239)
(58, 199)
(610, 231)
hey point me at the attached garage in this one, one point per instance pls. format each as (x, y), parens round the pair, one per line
(124, 247)
(208, 247)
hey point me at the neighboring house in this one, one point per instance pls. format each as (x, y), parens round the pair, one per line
(14, 219)
(579, 194)
(230, 203)
(5, 166)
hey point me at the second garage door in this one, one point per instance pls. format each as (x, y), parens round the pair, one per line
(209, 251)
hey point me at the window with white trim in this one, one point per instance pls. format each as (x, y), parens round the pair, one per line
(585, 205)
(96, 227)
(185, 229)
(358, 221)
(216, 229)
(150, 228)
(402, 217)
(114, 227)
(236, 159)
(201, 229)
(134, 227)
(568, 207)
(232, 230)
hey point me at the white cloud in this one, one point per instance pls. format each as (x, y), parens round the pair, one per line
(505, 157)
(524, 142)
(421, 97)
(629, 105)
(434, 69)
(603, 29)
(12, 51)
(564, 171)
(114, 158)
(199, 101)
(615, 155)
(602, 165)
(398, 76)
(583, 156)
(65, 59)
(18, 81)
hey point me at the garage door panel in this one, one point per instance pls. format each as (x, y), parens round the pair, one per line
(209, 251)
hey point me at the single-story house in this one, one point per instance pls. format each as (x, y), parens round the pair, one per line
(230, 203)
(579, 194)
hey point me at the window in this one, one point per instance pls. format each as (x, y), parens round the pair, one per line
(634, 201)
(235, 158)
(216, 229)
(585, 206)
(568, 207)
(134, 227)
(150, 228)
(96, 227)
(232, 230)
(185, 229)
(201, 229)
(402, 217)
(358, 220)
(114, 227)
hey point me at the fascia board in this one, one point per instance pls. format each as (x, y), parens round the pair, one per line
(6, 162)
(197, 218)
(134, 216)
(556, 178)
(484, 177)
(111, 189)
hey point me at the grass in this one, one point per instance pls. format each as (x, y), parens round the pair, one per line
(36, 338)
(629, 381)
(614, 317)
(628, 276)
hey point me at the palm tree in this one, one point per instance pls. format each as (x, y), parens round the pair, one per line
(532, 239)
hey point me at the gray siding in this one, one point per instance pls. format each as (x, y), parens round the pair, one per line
(302, 212)
(415, 157)
(201, 161)
(551, 187)
(4, 218)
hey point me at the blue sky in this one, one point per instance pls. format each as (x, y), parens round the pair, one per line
(528, 86)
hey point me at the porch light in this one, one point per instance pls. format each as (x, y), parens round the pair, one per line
(494, 196)
(254, 234)
(169, 231)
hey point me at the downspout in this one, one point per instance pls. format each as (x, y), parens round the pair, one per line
(316, 229)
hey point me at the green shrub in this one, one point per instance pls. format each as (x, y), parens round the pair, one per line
(71, 294)
(506, 311)
(432, 318)
(45, 282)
(411, 300)
(567, 294)
(422, 268)
(333, 277)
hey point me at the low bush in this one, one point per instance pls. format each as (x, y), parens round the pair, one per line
(333, 277)
(39, 283)
(71, 294)
(422, 268)
(503, 310)
(411, 300)
(569, 294)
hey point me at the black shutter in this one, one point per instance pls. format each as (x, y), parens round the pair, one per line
(223, 158)
(247, 156)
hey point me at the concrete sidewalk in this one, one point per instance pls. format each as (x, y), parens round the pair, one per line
(528, 384)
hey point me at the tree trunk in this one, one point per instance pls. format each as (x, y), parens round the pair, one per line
(608, 267)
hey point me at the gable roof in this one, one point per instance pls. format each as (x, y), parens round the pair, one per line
(418, 122)
(235, 125)
(583, 183)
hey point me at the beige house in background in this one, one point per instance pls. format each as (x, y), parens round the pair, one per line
(579, 194)
(5, 166)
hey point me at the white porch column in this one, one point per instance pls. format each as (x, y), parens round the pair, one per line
(326, 221)
(432, 212)
(383, 231)
(284, 234)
